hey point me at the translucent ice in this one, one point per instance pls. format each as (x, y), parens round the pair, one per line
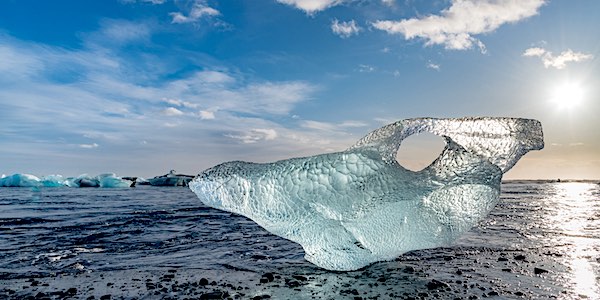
(108, 180)
(19, 180)
(171, 179)
(352, 208)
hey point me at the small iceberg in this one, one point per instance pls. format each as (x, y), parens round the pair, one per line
(170, 179)
(19, 180)
(108, 180)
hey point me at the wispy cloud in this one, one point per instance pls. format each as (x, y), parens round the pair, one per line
(199, 10)
(365, 68)
(311, 6)
(88, 146)
(559, 61)
(206, 115)
(171, 112)
(328, 126)
(122, 31)
(457, 25)
(434, 66)
(57, 99)
(255, 135)
(178, 102)
(388, 2)
(345, 29)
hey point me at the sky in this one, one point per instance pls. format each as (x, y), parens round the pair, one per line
(140, 87)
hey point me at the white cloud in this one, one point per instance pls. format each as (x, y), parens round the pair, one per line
(326, 126)
(181, 103)
(345, 29)
(171, 112)
(559, 61)
(88, 146)
(353, 124)
(122, 31)
(365, 68)
(228, 93)
(214, 77)
(434, 66)
(318, 125)
(121, 99)
(311, 6)
(536, 51)
(199, 10)
(17, 63)
(207, 115)
(255, 135)
(276, 98)
(388, 2)
(456, 26)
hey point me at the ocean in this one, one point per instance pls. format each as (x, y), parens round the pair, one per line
(541, 241)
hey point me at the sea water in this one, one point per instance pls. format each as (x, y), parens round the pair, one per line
(542, 240)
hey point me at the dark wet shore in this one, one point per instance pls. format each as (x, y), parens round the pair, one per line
(446, 273)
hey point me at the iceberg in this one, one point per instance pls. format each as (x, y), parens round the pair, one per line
(170, 179)
(351, 208)
(19, 180)
(109, 180)
(52, 181)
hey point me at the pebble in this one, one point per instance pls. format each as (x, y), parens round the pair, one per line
(436, 284)
(520, 257)
(268, 277)
(214, 295)
(299, 277)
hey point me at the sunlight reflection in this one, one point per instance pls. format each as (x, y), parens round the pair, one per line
(575, 206)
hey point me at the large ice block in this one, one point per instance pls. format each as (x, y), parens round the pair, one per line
(352, 208)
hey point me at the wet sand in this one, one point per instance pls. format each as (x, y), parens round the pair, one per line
(444, 273)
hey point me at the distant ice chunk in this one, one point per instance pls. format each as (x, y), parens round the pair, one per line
(52, 181)
(82, 180)
(170, 179)
(109, 180)
(352, 208)
(19, 180)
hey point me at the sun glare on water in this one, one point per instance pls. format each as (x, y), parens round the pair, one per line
(567, 95)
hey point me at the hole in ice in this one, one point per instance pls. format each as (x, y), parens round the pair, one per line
(418, 151)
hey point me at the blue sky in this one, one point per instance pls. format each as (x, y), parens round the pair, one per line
(142, 87)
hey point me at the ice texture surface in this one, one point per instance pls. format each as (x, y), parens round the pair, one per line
(352, 208)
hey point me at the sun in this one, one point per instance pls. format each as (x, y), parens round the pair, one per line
(567, 95)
